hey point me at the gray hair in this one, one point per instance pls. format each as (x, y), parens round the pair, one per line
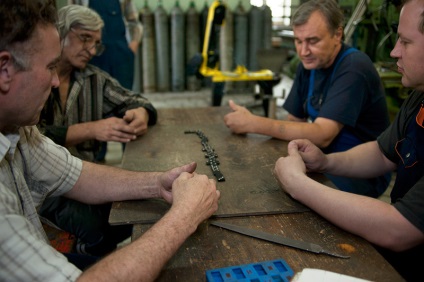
(328, 8)
(77, 16)
(21, 57)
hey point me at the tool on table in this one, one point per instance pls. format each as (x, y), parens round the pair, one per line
(210, 154)
(314, 248)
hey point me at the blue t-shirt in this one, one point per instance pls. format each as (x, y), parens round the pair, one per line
(353, 96)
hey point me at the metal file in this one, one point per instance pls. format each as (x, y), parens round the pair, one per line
(305, 246)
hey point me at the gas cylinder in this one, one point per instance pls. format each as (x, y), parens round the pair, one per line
(177, 50)
(162, 48)
(267, 34)
(192, 43)
(240, 36)
(240, 41)
(148, 51)
(256, 28)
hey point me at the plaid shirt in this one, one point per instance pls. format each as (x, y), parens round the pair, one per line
(32, 168)
(93, 95)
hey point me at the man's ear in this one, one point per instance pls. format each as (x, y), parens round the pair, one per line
(339, 32)
(7, 70)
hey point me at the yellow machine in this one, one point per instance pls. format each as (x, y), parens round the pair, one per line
(209, 65)
(210, 56)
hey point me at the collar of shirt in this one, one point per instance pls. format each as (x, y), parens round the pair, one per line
(8, 143)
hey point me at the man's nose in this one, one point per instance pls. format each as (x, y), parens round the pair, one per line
(55, 80)
(303, 49)
(92, 51)
(395, 53)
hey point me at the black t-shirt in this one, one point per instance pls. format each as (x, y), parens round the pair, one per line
(407, 199)
(411, 205)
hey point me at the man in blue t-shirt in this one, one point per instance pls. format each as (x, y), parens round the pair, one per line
(337, 100)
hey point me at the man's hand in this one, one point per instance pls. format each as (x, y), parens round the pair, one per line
(302, 156)
(195, 197)
(314, 159)
(133, 45)
(167, 179)
(288, 169)
(192, 194)
(138, 119)
(112, 129)
(239, 119)
(133, 124)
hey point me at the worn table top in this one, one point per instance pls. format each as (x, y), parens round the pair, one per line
(212, 247)
(250, 197)
(246, 162)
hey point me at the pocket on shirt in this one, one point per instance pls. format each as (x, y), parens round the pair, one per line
(407, 152)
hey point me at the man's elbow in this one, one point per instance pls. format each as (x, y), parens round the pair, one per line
(322, 141)
(398, 242)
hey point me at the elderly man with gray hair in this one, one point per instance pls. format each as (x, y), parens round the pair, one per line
(89, 107)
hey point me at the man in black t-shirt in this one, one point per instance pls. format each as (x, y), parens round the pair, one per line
(397, 229)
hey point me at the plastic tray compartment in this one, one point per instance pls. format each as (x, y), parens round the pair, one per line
(267, 271)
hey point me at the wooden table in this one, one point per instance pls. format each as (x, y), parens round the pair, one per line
(250, 197)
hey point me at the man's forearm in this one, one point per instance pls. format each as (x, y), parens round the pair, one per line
(271, 127)
(143, 259)
(291, 130)
(101, 184)
(367, 217)
(364, 161)
(78, 133)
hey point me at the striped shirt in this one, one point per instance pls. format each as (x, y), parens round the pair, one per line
(32, 167)
(93, 95)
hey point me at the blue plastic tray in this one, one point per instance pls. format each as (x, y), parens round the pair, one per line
(267, 271)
